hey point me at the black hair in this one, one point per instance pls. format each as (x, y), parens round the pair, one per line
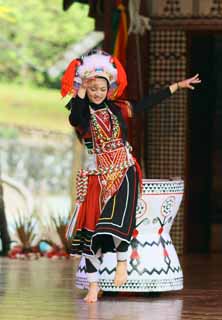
(107, 82)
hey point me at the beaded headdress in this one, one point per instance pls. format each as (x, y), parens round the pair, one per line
(96, 63)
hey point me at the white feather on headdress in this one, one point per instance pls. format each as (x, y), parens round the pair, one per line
(97, 64)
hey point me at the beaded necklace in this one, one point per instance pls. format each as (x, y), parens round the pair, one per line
(98, 130)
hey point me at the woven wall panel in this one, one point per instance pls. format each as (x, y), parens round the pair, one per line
(186, 8)
(166, 123)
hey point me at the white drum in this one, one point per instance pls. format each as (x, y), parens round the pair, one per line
(153, 264)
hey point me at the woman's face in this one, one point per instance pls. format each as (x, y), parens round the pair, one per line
(97, 90)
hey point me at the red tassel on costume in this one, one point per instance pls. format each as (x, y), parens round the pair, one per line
(165, 253)
(121, 78)
(134, 255)
(135, 233)
(68, 77)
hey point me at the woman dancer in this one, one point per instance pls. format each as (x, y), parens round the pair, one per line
(107, 186)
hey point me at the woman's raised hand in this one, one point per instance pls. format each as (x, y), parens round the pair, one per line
(86, 82)
(188, 83)
(84, 85)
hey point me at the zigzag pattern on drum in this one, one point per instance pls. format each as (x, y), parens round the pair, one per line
(151, 244)
(154, 270)
(82, 269)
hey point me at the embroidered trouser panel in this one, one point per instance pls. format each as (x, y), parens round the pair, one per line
(93, 262)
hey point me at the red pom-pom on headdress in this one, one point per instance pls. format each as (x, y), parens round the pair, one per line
(68, 77)
(121, 78)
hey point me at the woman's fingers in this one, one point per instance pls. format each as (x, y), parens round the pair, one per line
(86, 82)
(187, 84)
(196, 79)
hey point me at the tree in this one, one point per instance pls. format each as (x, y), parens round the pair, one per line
(38, 32)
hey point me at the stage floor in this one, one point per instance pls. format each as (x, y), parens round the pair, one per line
(44, 290)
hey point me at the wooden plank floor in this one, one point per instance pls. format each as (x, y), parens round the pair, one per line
(44, 290)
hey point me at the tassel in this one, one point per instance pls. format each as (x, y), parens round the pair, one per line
(72, 221)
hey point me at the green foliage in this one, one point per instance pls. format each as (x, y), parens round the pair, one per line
(8, 133)
(5, 14)
(36, 35)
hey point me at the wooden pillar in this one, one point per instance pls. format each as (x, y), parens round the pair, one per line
(137, 72)
(107, 21)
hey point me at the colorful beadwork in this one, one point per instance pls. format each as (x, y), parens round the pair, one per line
(113, 158)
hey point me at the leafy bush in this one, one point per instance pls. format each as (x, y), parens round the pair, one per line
(27, 51)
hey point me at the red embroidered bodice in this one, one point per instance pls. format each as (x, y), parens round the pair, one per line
(112, 156)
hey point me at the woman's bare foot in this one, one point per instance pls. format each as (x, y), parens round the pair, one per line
(121, 273)
(93, 292)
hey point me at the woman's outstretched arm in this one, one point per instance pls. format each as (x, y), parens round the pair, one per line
(155, 98)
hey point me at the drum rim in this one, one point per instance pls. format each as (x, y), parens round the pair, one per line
(162, 181)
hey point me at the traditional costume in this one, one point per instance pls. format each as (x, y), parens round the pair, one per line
(107, 185)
